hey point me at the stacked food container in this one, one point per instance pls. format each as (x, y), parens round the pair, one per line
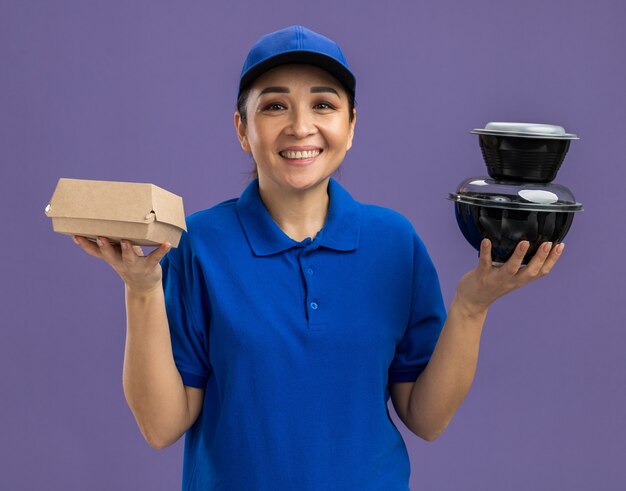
(518, 201)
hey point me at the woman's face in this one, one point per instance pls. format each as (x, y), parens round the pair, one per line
(297, 129)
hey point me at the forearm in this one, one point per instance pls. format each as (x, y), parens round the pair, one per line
(442, 386)
(152, 384)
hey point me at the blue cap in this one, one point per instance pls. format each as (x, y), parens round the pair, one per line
(296, 44)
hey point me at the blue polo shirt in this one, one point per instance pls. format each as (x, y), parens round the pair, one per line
(294, 344)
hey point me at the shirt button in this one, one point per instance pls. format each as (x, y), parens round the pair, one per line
(314, 305)
(309, 270)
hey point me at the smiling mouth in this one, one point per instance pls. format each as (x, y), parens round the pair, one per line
(299, 155)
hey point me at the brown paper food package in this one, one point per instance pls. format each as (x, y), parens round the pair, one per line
(144, 214)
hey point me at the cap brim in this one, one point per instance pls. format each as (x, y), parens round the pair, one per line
(332, 66)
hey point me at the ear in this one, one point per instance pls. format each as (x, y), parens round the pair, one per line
(242, 132)
(352, 125)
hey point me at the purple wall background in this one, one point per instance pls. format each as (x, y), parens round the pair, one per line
(144, 91)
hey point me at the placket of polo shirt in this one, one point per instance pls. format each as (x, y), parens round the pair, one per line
(314, 305)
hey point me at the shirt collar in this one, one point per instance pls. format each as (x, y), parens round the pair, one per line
(340, 232)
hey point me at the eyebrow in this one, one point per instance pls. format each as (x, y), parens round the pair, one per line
(280, 90)
(315, 90)
(285, 90)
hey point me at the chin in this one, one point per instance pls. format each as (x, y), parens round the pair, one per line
(301, 181)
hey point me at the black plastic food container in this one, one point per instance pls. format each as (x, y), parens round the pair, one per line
(523, 152)
(507, 213)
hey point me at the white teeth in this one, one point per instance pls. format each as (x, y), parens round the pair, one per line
(307, 154)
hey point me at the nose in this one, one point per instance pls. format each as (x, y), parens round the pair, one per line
(301, 123)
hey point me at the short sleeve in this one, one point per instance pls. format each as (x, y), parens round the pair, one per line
(426, 319)
(188, 330)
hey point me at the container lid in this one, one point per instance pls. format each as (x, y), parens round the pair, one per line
(484, 191)
(525, 130)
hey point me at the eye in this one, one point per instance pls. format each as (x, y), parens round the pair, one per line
(324, 105)
(275, 106)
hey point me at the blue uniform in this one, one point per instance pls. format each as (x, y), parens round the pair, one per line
(294, 344)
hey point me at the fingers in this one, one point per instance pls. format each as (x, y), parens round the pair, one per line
(138, 250)
(110, 253)
(533, 268)
(87, 245)
(514, 263)
(485, 255)
(125, 255)
(544, 260)
(554, 256)
(129, 254)
(101, 248)
(159, 253)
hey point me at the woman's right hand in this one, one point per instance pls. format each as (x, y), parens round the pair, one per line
(139, 272)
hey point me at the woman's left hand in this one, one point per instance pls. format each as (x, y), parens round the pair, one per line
(479, 288)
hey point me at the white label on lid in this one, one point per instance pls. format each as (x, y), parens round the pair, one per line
(538, 196)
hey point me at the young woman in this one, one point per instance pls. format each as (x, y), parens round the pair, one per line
(274, 335)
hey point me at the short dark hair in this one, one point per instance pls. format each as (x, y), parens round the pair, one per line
(242, 100)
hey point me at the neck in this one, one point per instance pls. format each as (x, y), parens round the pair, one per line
(300, 214)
